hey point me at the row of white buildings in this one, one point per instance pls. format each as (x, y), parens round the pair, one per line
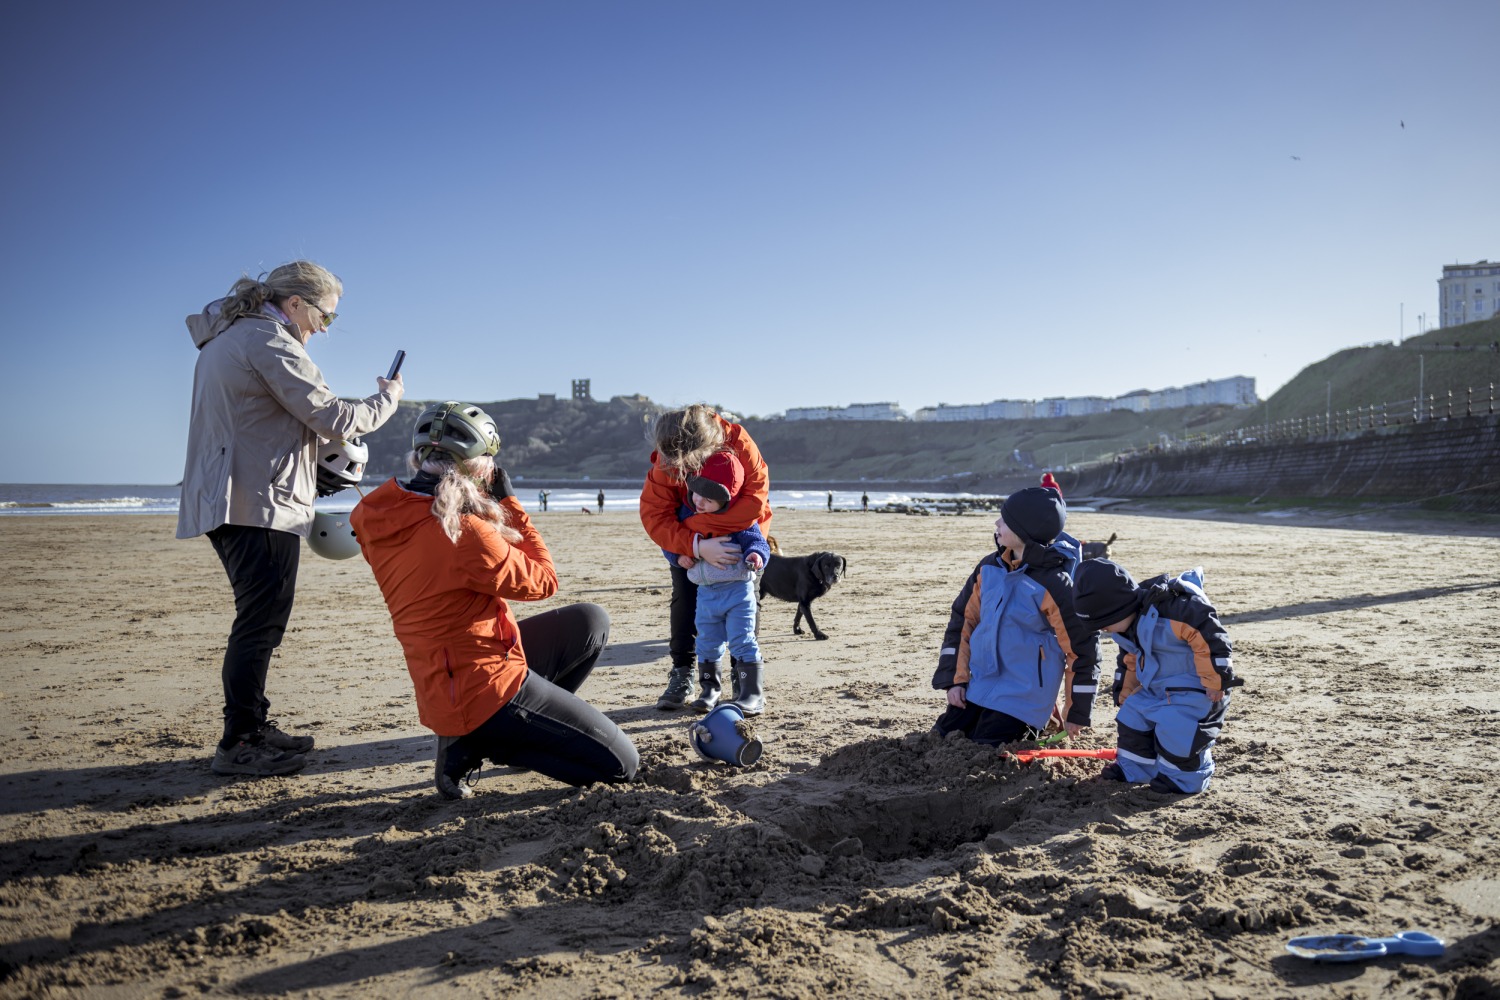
(1236, 391)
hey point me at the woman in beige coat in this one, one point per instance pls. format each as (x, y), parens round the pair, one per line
(259, 406)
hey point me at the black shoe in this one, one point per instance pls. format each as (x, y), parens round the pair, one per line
(449, 784)
(1112, 772)
(274, 737)
(1161, 783)
(255, 758)
(679, 689)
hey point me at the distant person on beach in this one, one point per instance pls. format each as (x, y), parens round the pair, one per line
(683, 441)
(600, 499)
(830, 501)
(260, 405)
(726, 597)
(449, 547)
(1013, 639)
(864, 501)
(541, 498)
(1173, 673)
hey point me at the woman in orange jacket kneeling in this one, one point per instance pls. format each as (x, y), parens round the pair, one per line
(449, 547)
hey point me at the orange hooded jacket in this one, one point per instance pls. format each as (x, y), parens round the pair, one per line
(664, 493)
(448, 601)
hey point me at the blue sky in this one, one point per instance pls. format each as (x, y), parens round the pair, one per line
(766, 204)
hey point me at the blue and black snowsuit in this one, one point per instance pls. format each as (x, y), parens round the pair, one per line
(1014, 640)
(1171, 657)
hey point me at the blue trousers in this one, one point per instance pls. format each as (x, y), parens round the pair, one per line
(726, 614)
(1167, 738)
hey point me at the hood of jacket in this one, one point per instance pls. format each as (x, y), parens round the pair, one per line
(208, 324)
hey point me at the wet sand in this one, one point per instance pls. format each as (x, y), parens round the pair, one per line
(1356, 790)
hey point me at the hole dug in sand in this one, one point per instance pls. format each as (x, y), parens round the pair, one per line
(890, 800)
(904, 824)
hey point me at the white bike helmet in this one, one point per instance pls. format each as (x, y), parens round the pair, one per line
(332, 537)
(463, 430)
(341, 464)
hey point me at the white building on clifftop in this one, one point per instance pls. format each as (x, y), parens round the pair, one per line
(1469, 292)
(854, 411)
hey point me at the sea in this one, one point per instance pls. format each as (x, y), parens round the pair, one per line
(61, 500)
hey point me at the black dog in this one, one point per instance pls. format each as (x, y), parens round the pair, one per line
(802, 579)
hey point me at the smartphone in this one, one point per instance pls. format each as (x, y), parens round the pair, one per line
(396, 365)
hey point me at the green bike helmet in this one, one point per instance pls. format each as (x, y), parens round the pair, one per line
(462, 430)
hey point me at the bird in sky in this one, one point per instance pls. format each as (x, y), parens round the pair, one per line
(1296, 157)
(1403, 123)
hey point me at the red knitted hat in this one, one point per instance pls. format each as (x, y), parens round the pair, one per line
(720, 478)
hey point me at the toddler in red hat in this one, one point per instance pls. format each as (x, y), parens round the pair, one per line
(726, 597)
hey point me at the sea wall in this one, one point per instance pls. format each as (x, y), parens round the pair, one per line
(1457, 460)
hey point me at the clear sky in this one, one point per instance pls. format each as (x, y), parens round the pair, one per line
(762, 204)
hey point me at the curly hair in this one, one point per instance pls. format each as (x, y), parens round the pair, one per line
(463, 489)
(684, 439)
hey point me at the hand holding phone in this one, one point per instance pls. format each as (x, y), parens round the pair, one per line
(396, 365)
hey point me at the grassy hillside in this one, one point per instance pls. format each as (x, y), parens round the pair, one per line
(1365, 376)
(806, 450)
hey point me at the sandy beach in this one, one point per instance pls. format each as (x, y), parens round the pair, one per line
(1356, 789)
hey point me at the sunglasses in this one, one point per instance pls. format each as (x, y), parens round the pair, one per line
(328, 317)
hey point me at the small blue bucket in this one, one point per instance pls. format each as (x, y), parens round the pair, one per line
(717, 737)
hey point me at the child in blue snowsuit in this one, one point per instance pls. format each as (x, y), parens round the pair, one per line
(726, 597)
(1013, 639)
(1173, 675)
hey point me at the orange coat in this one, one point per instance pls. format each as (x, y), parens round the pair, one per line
(664, 493)
(448, 601)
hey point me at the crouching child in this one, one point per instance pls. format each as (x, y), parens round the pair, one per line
(1013, 639)
(1173, 673)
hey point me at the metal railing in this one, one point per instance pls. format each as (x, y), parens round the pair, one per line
(1331, 423)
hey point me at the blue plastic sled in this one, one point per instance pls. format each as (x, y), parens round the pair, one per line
(1354, 948)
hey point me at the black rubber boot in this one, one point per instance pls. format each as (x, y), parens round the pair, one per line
(709, 686)
(679, 689)
(747, 687)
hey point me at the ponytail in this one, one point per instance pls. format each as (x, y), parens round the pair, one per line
(248, 296)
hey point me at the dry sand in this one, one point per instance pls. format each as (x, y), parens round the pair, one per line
(1356, 791)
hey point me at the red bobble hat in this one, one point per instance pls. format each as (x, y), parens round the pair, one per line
(720, 479)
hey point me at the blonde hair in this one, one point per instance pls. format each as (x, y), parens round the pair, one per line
(300, 277)
(684, 439)
(463, 489)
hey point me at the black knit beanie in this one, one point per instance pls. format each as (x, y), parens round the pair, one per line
(1036, 513)
(1103, 593)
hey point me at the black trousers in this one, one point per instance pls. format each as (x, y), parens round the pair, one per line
(262, 567)
(684, 615)
(546, 727)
